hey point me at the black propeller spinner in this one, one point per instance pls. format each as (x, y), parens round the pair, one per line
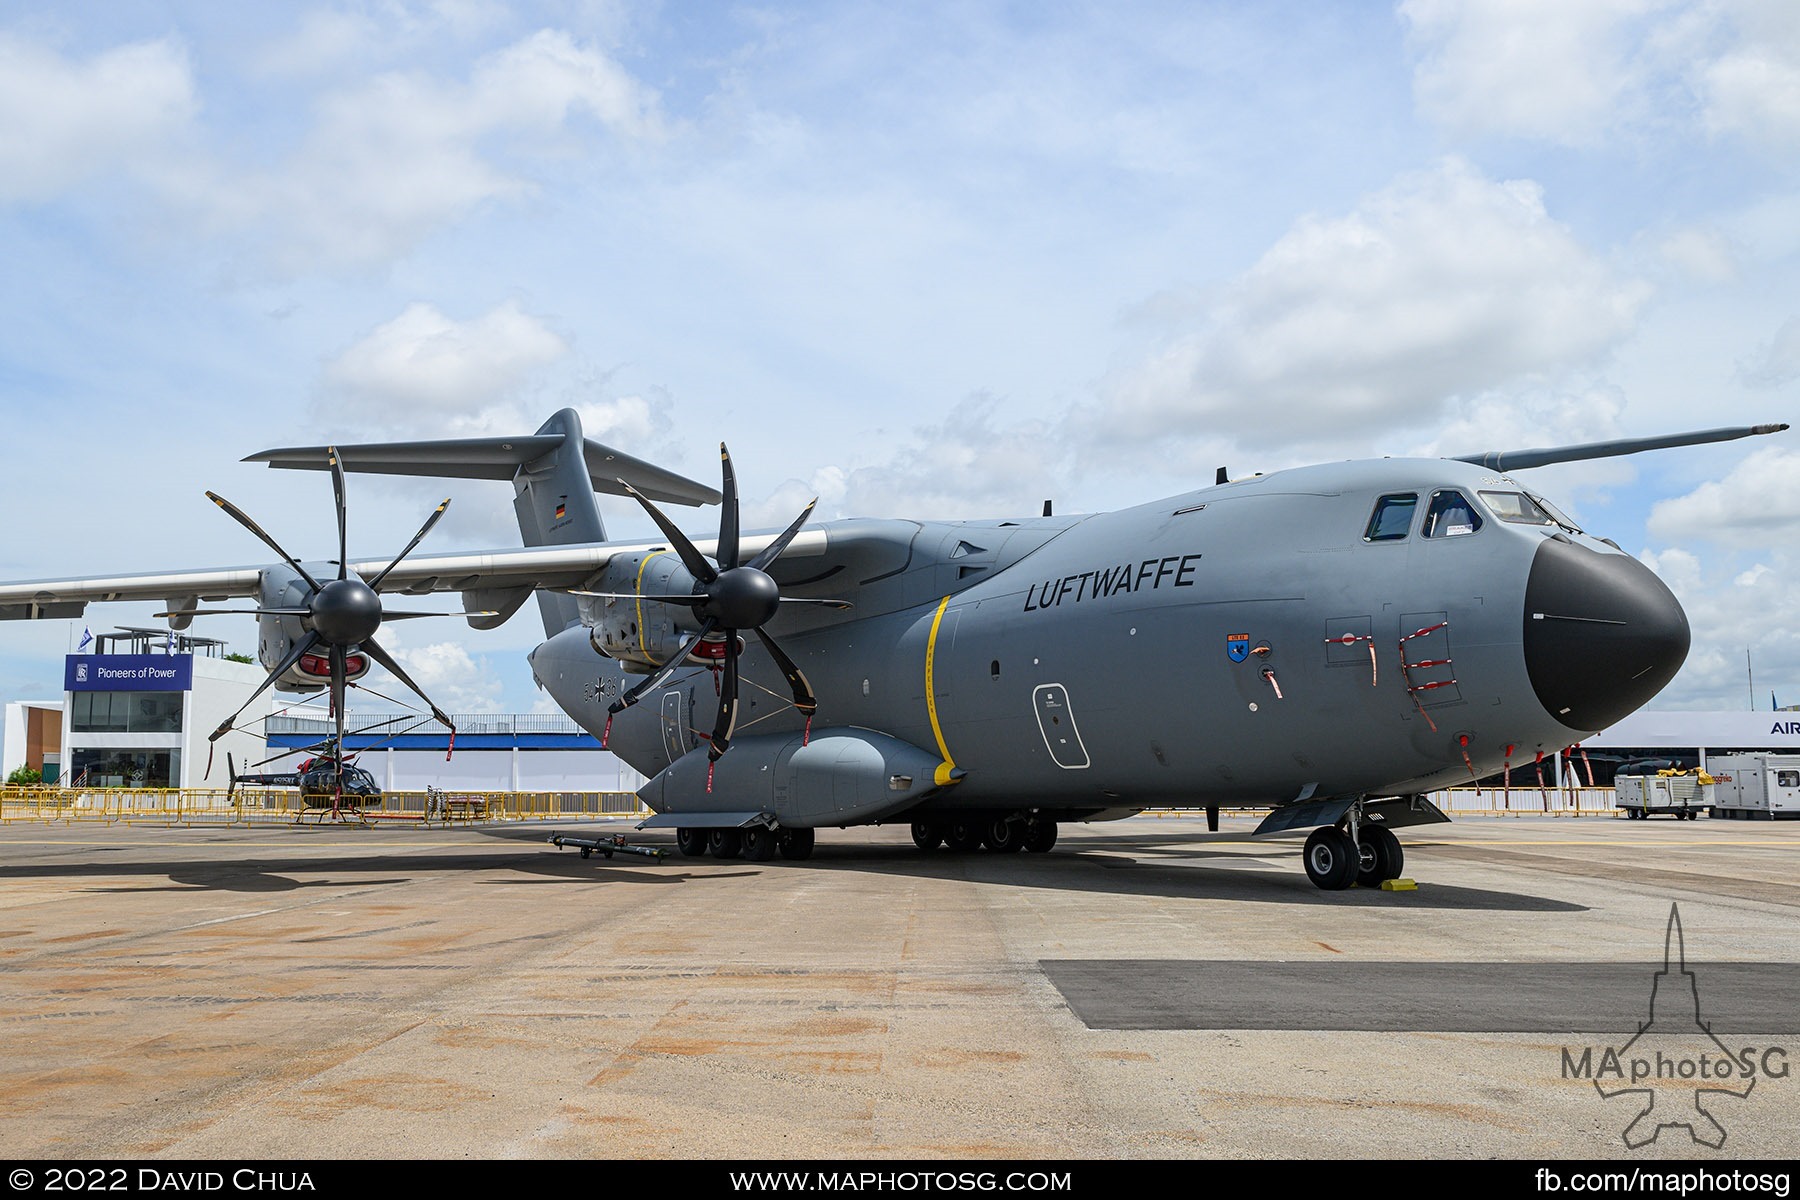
(733, 596)
(340, 614)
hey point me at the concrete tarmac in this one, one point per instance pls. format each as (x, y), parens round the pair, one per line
(391, 993)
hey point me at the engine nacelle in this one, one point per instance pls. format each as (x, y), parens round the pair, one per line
(282, 587)
(641, 634)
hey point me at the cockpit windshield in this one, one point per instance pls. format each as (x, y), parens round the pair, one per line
(1557, 515)
(1519, 508)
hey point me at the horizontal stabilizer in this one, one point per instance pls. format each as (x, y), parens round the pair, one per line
(1519, 460)
(495, 458)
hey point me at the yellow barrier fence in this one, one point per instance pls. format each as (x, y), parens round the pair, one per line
(265, 806)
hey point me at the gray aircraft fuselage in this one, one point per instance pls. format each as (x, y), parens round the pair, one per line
(1247, 644)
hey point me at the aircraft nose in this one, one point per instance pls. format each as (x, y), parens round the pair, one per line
(1602, 634)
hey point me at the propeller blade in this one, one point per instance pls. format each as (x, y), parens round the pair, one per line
(231, 775)
(413, 616)
(240, 612)
(826, 603)
(418, 537)
(691, 557)
(338, 671)
(663, 672)
(728, 695)
(337, 490)
(727, 550)
(804, 700)
(773, 550)
(300, 647)
(242, 518)
(381, 656)
(692, 600)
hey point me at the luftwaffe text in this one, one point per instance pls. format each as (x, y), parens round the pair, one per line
(1176, 570)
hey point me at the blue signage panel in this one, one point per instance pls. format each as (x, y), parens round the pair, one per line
(128, 673)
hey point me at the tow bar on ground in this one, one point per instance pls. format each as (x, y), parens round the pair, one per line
(616, 844)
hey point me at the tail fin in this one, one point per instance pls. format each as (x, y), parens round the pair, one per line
(555, 473)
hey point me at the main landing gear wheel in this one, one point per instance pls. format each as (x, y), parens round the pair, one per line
(963, 836)
(1003, 836)
(927, 835)
(1379, 857)
(725, 843)
(759, 843)
(1331, 859)
(1040, 835)
(795, 844)
(691, 842)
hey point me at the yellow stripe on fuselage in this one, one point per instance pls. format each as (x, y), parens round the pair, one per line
(642, 628)
(942, 777)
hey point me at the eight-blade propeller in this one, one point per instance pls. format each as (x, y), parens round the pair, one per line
(341, 614)
(728, 598)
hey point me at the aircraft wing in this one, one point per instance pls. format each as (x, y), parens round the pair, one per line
(498, 580)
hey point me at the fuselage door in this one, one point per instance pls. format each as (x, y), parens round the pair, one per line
(674, 728)
(1057, 723)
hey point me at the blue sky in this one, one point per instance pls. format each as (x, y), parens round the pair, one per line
(919, 260)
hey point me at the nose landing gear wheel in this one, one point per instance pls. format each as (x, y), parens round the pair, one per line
(1331, 858)
(1380, 857)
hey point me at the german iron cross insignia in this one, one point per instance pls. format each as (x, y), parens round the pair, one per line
(1237, 646)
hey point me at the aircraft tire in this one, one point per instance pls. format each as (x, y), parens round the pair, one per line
(1003, 836)
(725, 843)
(691, 842)
(1040, 835)
(795, 844)
(927, 835)
(760, 843)
(963, 836)
(1382, 858)
(1330, 858)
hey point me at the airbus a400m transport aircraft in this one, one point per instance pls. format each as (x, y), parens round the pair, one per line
(1331, 642)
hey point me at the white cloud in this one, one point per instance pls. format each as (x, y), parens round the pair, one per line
(1443, 284)
(424, 364)
(969, 465)
(455, 682)
(64, 121)
(1756, 504)
(1582, 74)
(1703, 255)
(1752, 88)
(1778, 362)
(1549, 69)
(1741, 623)
(390, 160)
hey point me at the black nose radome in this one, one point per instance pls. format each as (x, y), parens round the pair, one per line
(1602, 634)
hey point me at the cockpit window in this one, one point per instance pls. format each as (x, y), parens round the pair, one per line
(1392, 519)
(1517, 508)
(1450, 515)
(1557, 515)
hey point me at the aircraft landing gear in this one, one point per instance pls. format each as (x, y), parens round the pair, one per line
(927, 835)
(1331, 858)
(1335, 860)
(691, 842)
(760, 843)
(1040, 835)
(1379, 857)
